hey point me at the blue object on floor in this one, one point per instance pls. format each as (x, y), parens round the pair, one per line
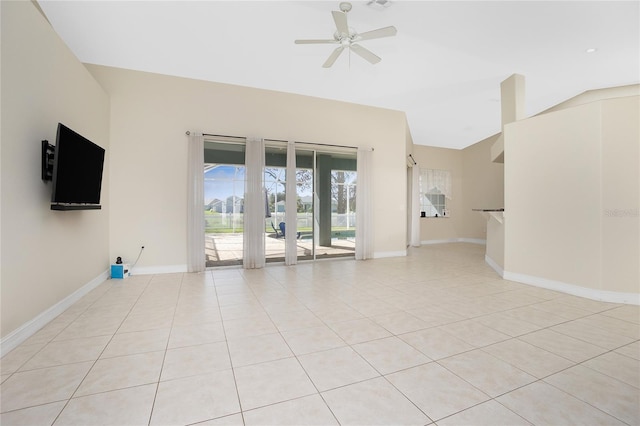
(119, 270)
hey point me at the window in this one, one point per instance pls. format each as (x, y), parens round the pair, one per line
(435, 190)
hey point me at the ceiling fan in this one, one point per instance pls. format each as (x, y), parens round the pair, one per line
(347, 38)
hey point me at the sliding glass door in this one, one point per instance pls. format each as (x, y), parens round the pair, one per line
(325, 196)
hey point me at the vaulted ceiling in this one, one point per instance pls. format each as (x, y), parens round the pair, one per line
(443, 68)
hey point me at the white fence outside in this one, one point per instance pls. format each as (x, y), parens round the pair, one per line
(235, 221)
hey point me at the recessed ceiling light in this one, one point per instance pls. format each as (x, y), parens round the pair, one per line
(591, 50)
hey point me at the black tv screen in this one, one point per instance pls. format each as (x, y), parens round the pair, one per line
(77, 171)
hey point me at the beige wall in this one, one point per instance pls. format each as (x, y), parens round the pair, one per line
(150, 114)
(483, 187)
(477, 183)
(552, 201)
(621, 194)
(563, 172)
(46, 255)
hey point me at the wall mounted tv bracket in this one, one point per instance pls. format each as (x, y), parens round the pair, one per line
(48, 151)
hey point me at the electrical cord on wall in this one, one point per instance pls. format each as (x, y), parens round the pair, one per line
(137, 258)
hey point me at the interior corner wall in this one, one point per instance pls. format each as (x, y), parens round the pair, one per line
(553, 203)
(483, 187)
(409, 139)
(150, 114)
(45, 255)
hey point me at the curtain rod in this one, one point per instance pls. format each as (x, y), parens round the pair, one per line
(280, 140)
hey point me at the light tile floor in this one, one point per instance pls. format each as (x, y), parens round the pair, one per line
(432, 338)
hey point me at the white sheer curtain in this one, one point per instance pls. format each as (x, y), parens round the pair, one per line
(439, 180)
(415, 207)
(291, 208)
(254, 205)
(364, 203)
(195, 204)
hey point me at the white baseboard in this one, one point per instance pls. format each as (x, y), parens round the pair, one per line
(28, 329)
(494, 265)
(473, 241)
(381, 254)
(455, 240)
(429, 242)
(165, 269)
(589, 293)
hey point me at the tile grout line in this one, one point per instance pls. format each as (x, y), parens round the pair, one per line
(166, 349)
(101, 352)
(226, 341)
(279, 332)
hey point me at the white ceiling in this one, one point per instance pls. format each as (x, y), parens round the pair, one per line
(443, 69)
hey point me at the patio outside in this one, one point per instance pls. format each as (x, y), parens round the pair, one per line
(224, 246)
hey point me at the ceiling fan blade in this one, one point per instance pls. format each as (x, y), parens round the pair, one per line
(365, 53)
(379, 33)
(332, 58)
(315, 41)
(340, 19)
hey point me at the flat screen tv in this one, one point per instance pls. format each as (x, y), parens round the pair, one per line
(77, 172)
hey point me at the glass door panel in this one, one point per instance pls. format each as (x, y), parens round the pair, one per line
(275, 178)
(275, 181)
(304, 203)
(336, 205)
(224, 175)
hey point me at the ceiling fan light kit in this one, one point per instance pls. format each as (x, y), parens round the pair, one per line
(348, 38)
